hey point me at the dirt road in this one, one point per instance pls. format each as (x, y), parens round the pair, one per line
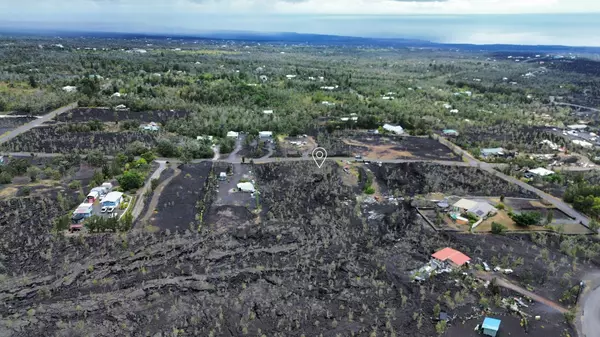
(156, 196)
(36, 122)
(504, 283)
(139, 204)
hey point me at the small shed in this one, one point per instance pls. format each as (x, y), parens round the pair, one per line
(233, 134)
(246, 187)
(397, 129)
(497, 151)
(542, 172)
(450, 132)
(490, 326)
(265, 134)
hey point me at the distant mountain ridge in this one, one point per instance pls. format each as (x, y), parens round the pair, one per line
(309, 39)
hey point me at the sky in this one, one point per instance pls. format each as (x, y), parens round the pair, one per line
(565, 22)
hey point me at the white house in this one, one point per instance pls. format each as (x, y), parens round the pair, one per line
(116, 94)
(454, 111)
(69, 88)
(481, 209)
(397, 129)
(289, 77)
(121, 107)
(327, 103)
(328, 88)
(233, 134)
(387, 98)
(268, 112)
(447, 106)
(112, 199)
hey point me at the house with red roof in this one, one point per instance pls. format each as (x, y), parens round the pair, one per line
(451, 256)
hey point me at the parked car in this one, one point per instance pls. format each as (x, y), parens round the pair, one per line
(110, 209)
(103, 209)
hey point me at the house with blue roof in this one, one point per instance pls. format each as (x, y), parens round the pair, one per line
(490, 326)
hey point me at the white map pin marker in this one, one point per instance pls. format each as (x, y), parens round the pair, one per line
(319, 155)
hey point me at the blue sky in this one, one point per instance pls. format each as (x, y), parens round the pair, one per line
(453, 21)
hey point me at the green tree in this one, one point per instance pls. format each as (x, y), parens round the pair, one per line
(32, 81)
(5, 178)
(166, 148)
(131, 180)
(440, 327)
(148, 156)
(98, 178)
(594, 225)
(62, 223)
(33, 173)
(436, 311)
(126, 221)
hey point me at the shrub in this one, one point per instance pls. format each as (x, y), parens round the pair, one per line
(75, 185)
(527, 219)
(440, 327)
(498, 228)
(5, 178)
(369, 190)
(500, 206)
(153, 184)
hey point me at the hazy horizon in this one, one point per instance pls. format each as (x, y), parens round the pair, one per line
(557, 22)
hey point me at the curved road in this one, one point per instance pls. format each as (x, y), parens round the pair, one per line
(576, 106)
(588, 319)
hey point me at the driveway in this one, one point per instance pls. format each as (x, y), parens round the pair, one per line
(35, 123)
(504, 283)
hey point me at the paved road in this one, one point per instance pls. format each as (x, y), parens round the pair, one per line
(588, 316)
(34, 123)
(576, 106)
(139, 204)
